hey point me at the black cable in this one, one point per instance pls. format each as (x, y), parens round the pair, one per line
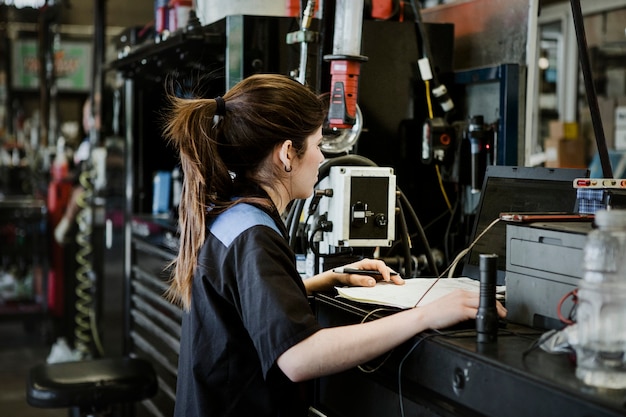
(434, 221)
(447, 239)
(535, 344)
(443, 214)
(293, 221)
(415, 345)
(438, 89)
(420, 229)
(422, 31)
(303, 239)
(316, 251)
(290, 214)
(408, 267)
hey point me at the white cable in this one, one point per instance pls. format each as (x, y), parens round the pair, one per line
(464, 252)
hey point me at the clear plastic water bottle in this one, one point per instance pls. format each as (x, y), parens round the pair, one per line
(601, 314)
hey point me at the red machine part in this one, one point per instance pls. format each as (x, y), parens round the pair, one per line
(344, 92)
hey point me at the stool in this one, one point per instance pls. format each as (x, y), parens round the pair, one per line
(91, 387)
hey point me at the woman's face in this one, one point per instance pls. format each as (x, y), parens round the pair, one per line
(306, 168)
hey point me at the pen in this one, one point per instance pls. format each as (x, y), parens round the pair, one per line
(360, 271)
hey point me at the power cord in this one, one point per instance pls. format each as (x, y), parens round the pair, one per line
(452, 333)
(569, 319)
(371, 370)
(435, 332)
(450, 269)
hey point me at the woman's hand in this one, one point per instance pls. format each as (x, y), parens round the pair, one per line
(328, 279)
(453, 308)
(360, 280)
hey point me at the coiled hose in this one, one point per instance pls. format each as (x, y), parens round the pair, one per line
(86, 332)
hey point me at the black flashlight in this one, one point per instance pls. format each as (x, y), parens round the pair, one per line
(487, 317)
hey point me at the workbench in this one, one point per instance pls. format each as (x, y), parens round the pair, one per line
(448, 373)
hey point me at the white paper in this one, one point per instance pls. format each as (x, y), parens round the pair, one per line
(407, 295)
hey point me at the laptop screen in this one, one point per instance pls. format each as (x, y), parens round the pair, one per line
(517, 189)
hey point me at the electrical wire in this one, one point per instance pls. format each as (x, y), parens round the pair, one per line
(441, 187)
(303, 241)
(447, 239)
(463, 333)
(371, 370)
(429, 103)
(450, 269)
(574, 295)
(430, 116)
(434, 221)
(442, 96)
(536, 343)
(408, 270)
(464, 252)
(420, 229)
(317, 253)
(415, 345)
(293, 221)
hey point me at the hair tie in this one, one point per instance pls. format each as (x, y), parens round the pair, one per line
(221, 106)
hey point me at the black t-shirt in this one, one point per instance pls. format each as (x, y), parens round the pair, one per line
(248, 307)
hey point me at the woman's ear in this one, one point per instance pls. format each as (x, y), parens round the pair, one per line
(285, 156)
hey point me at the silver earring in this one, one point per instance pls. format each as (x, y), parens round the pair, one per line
(287, 169)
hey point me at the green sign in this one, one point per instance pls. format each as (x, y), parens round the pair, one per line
(72, 65)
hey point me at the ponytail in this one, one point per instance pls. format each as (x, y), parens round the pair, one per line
(205, 176)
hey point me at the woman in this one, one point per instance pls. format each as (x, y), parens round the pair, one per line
(249, 337)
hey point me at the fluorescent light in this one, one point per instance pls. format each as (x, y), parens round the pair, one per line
(20, 4)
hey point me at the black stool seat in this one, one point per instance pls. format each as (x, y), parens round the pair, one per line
(91, 384)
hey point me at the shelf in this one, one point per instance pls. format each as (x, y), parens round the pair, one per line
(182, 52)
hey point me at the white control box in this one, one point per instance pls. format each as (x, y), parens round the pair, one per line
(362, 208)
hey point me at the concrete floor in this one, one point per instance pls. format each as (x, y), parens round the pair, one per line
(21, 349)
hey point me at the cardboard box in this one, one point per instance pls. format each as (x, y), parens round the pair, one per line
(563, 130)
(565, 153)
(607, 115)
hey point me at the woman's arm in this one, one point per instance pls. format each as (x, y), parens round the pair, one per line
(336, 349)
(328, 279)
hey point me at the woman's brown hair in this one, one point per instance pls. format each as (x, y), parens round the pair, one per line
(220, 152)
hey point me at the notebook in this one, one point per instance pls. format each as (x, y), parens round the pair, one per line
(505, 189)
(509, 189)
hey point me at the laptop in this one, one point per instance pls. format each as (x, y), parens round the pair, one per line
(517, 189)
